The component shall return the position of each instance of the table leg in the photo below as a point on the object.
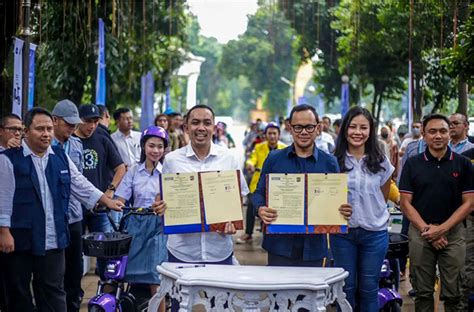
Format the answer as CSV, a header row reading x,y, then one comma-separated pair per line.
x,y
186,303
341,297
165,287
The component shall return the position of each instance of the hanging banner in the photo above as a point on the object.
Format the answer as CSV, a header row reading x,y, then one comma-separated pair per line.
x,y
17,76
100,82
410,96
344,98
148,100
31,77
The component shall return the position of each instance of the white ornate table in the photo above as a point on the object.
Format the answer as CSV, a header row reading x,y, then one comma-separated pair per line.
x,y
231,288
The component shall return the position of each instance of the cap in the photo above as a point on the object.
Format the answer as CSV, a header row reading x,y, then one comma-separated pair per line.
x,y
88,111
272,125
221,125
169,111
67,110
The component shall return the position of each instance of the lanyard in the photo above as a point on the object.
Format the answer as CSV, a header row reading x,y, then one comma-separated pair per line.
x,y
65,146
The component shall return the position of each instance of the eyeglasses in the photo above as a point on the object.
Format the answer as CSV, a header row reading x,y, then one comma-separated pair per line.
x,y
456,123
14,129
299,128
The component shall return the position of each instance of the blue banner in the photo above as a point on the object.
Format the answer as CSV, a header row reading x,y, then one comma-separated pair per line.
x,y
148,100
344,98
100,82
31,77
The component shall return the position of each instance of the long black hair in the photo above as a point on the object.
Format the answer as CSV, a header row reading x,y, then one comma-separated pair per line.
x,y
374,154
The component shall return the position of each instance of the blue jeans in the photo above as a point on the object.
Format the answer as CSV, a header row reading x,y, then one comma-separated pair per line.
x,y
97,223
361,253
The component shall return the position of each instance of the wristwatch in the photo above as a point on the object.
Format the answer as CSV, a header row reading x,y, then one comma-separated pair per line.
x,y
111,187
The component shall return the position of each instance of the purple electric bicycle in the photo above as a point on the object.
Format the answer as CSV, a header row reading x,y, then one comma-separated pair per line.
x,y
114,293
389,298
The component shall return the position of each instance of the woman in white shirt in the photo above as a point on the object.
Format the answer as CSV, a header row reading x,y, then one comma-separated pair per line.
x,y
361,252
142,184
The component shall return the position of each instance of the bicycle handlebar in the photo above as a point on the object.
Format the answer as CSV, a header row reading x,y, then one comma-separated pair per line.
x,y
126,209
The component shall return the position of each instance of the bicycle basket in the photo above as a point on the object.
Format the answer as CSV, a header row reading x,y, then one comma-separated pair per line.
x,y
106,245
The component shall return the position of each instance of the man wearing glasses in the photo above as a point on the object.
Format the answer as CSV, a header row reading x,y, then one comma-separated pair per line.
x,y
458,132
300,157
65,120
11,130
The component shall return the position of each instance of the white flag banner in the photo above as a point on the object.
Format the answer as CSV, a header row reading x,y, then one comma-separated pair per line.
x,y
17,77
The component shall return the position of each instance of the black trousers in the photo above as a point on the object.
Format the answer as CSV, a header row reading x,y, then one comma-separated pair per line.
x,y
3,289
277,260
48,276
74,269
250,216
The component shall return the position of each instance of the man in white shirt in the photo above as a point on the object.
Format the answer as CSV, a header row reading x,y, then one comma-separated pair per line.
x,y
414,136
202,155
325,142
459,142
11,130
126,139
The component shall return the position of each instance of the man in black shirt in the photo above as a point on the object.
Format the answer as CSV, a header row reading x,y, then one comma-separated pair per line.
x,y
100,155
436,196
103,166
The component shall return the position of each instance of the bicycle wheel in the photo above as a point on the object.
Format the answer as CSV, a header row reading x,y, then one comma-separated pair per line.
x,y
95,308
128,303
393,306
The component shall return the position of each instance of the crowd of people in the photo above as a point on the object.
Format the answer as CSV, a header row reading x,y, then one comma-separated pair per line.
x,y
57,166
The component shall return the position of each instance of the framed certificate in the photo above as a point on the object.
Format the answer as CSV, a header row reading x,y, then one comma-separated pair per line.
x,y
307,203
201,201
181,193
326,193
221,197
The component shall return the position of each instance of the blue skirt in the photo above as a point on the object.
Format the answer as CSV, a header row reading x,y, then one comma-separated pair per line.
x,y
148,248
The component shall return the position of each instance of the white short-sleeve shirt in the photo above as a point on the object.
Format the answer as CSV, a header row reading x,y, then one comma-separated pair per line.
x,y
369,208
202,247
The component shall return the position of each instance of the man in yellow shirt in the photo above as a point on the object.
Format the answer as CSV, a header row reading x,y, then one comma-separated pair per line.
x,y
254,165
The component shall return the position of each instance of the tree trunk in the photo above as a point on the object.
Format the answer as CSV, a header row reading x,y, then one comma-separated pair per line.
x,y
464,13
438,102
462,96
374,101
379,107
418,96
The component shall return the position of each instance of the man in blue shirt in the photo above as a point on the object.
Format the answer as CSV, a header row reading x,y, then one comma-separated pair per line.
x,y
300,157
65,120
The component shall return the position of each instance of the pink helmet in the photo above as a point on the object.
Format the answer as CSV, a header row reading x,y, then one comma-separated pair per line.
x,y
154,131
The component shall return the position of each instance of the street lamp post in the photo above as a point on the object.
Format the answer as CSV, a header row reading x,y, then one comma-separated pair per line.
x,y
291,86
25,33
344,95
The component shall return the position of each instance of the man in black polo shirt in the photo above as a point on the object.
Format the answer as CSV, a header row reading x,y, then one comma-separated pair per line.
x,y
436,196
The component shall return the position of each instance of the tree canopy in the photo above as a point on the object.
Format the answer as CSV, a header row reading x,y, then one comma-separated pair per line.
x,y
140,36
372,43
